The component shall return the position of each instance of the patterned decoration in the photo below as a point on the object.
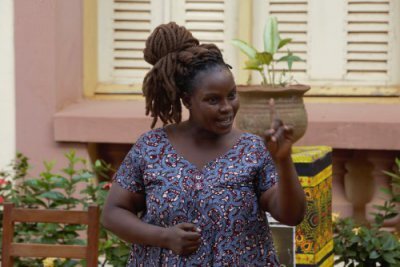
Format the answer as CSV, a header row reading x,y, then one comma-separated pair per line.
x,y
314,237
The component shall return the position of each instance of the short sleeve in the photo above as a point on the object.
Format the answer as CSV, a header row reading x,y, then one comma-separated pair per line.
x,y
268,175
130,173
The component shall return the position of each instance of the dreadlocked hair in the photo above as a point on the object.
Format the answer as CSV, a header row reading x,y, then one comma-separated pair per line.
x,y
177,57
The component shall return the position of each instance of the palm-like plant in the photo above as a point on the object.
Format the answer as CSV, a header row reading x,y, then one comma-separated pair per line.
x,y
265,62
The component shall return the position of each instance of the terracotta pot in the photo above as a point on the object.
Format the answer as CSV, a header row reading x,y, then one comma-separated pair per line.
x,y
254,114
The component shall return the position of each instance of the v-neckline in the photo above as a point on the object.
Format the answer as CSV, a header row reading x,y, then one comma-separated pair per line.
x,y
198,168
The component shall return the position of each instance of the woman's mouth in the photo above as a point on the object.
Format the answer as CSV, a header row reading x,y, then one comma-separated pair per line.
x,y
225,122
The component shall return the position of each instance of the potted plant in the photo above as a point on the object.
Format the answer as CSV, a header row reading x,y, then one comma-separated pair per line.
x,y
278,85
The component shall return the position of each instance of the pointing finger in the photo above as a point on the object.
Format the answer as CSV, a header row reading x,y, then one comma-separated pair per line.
x,y
278,135
272,111
268,134
289,129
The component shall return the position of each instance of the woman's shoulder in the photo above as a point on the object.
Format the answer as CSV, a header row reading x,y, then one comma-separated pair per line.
x,y
252,142
151,137
250,137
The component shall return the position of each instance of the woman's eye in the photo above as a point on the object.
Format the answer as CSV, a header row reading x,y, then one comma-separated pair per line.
x,y
212,101
232,96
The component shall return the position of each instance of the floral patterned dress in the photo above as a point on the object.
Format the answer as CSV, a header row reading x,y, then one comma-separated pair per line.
x,y
221,199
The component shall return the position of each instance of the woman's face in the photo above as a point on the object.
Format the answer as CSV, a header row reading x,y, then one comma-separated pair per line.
x,y
214,103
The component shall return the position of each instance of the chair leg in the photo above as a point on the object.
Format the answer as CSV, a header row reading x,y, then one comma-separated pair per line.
x,y
93,236
8,233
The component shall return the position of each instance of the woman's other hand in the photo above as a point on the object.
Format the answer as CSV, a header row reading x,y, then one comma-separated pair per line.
x,y
279,137
183,238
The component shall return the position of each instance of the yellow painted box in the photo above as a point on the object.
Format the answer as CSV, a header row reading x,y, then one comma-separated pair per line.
x,y
314,237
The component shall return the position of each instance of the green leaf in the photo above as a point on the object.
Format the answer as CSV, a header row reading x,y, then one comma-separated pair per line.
x,y
98,164
70,171
59,182
53,195
82,177
383,208
34,183
271,35
121,251
47,227
264,58
393,175
244,47
390,242
284,42
290,58
387,191
253,64
373,254
49,165
389,258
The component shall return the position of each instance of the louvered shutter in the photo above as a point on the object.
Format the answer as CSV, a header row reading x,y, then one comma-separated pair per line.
x,y
205,19
292,18
368,36
124,26
129,22
131,26
210,21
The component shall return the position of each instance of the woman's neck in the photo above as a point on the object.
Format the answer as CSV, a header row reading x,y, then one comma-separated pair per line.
x,y
199,135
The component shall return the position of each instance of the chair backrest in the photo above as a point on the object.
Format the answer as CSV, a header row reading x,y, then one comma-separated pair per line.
x,y
11,249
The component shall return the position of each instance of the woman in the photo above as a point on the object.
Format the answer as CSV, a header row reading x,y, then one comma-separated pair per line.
x,y
201,185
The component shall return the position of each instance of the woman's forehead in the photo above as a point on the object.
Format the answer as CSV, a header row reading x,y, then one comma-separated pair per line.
x,y
214,77
215,84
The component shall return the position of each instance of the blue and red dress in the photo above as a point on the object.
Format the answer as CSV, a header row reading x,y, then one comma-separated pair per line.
x,y
221,199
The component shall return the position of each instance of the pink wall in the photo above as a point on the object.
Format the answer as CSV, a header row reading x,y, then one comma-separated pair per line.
x,y
48,69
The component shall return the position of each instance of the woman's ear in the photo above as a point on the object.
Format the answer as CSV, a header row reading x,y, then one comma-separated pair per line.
x,y
186,100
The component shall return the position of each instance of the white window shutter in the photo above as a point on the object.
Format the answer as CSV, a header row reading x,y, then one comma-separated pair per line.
x,y
292,18
368,40
124,26
210,21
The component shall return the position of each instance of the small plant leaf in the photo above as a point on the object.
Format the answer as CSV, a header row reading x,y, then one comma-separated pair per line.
x,y
389,258
253,64
271,35
284,42
53,195
389,243
264,58
245,48
393,175
290,58
373,255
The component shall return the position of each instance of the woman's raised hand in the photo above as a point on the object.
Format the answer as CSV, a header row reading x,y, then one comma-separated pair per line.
x,y
183,238
279,137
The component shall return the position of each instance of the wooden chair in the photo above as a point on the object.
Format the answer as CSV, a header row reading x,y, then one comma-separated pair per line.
x,y
12,249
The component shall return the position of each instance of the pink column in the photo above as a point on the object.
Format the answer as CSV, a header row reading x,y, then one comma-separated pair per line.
x,y
358,183
381,160
341,204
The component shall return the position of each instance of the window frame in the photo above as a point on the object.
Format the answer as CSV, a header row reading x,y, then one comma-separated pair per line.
x,y
333,81
247,22
93,86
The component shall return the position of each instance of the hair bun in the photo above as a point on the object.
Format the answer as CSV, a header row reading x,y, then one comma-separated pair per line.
x,y
165,39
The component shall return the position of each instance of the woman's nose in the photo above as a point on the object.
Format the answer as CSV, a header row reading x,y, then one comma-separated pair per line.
x,y
225,106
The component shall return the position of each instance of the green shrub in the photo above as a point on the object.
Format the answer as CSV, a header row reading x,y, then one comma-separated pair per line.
x,y
73,187
370,245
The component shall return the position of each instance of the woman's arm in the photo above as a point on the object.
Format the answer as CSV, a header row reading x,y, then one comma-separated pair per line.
x,y
285,200
120,217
